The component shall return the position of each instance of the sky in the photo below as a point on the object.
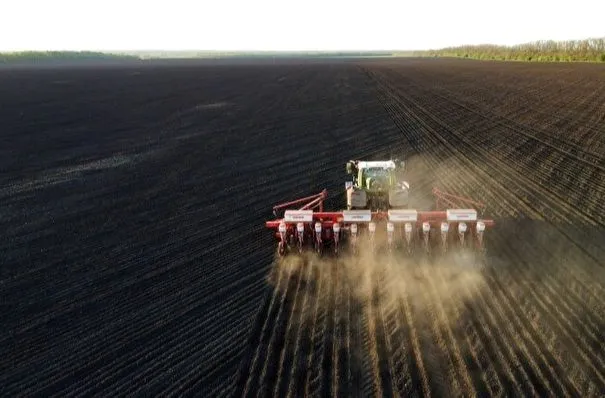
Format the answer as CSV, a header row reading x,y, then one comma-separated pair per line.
x,y
281,25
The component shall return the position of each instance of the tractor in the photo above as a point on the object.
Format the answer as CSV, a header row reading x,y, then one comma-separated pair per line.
x,y
377,203
377,185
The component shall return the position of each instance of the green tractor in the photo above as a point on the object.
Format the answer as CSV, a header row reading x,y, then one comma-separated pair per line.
x,y
377,185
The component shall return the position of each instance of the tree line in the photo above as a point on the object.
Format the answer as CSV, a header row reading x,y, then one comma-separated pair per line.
x,y
588,50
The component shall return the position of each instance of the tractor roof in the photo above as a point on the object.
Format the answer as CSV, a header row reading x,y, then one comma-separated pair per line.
x,y
383,164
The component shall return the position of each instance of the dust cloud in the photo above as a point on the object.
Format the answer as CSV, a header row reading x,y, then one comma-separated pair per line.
x,y
381,278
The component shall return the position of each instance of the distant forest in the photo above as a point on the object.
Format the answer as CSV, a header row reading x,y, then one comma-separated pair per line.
x,y
589,50
52,56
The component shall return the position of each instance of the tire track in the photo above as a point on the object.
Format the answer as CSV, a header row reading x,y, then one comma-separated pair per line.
x,y
274,308
297,362
313,381
275,341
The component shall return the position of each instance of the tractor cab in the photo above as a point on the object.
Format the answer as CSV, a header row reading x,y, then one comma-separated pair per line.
x,y
375,178
375,175
376,185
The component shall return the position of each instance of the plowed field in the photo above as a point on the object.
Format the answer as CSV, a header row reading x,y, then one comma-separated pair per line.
x,y
134,258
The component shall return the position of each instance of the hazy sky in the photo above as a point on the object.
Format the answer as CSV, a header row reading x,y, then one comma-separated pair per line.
x,y
288,25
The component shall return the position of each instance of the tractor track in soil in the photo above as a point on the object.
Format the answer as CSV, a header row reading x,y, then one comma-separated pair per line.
x,y
135,260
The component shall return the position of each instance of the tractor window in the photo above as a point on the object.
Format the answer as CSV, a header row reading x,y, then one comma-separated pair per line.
x,y
376,172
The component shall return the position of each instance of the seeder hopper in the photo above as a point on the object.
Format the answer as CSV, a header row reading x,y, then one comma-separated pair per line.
x,y
305,225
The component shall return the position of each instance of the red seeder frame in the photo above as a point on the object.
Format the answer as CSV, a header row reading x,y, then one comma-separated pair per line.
x,y
443,201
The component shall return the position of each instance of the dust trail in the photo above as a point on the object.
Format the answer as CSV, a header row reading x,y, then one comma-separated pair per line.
x,y
412,274
378,283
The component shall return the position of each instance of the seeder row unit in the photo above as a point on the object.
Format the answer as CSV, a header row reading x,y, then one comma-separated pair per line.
x,y
309,226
